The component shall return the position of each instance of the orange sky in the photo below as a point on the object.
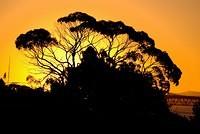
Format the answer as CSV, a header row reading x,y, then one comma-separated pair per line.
x,y
173,24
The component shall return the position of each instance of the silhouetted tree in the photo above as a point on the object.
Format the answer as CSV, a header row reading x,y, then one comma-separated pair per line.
x,y
101,71
114,42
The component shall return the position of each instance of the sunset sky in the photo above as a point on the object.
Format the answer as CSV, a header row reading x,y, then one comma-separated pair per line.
x,y
173,24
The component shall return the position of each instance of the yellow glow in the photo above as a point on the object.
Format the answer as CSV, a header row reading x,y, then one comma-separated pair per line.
x,y
173,24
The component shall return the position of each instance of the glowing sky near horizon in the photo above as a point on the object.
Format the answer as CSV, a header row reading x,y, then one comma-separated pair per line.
x,y
173,24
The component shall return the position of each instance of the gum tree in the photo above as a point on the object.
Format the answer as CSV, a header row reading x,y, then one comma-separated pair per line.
x,y
115,43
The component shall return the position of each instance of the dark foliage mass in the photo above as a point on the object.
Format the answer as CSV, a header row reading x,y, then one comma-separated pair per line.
x,y
118,84
37,38
96,92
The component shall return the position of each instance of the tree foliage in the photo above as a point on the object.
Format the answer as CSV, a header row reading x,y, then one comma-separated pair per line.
x,y
34,39
115,43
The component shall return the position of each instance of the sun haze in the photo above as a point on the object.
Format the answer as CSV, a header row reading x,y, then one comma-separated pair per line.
x,y
173,24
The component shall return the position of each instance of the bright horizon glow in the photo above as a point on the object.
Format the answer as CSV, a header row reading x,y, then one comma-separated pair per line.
x,y
173,24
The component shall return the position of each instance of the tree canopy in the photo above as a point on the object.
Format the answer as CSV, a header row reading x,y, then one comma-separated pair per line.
x,y
117,44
